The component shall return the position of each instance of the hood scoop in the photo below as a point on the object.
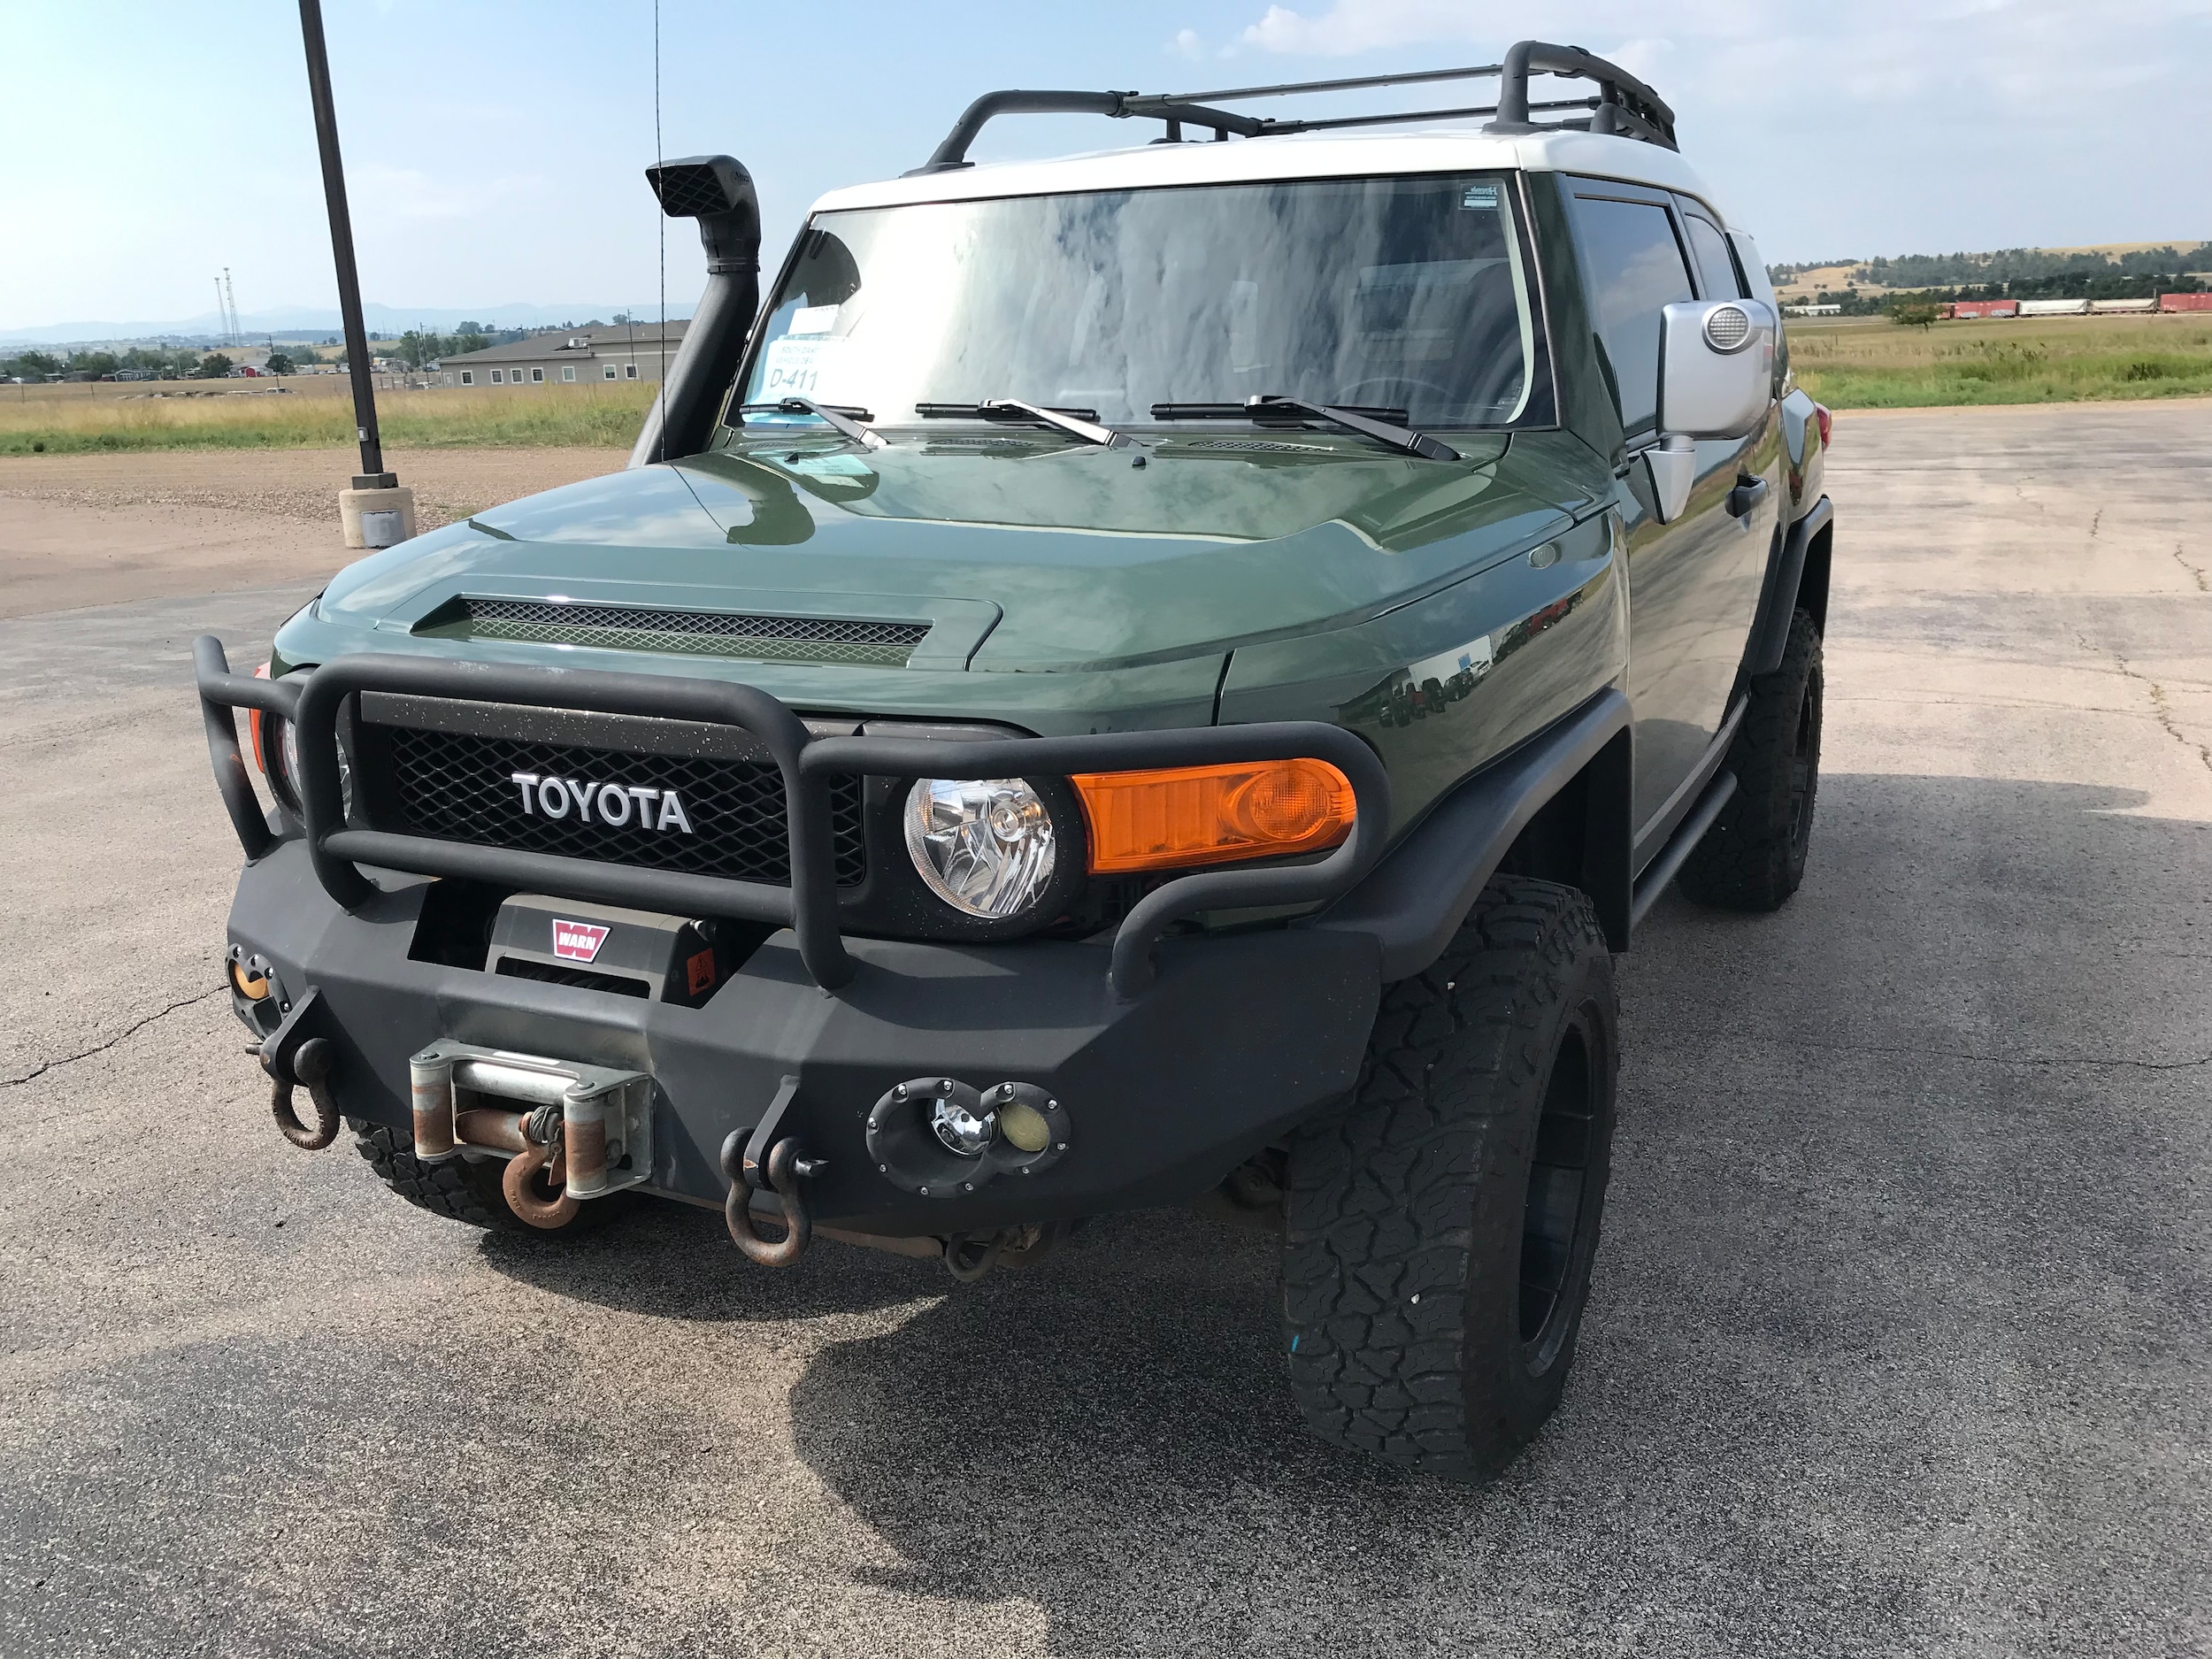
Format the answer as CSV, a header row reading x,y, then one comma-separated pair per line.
x,y
685,633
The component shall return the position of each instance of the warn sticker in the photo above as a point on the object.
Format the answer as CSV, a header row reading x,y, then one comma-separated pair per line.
x,y
578,941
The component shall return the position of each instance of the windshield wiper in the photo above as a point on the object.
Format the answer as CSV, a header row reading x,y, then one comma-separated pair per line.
x,y
1369,423
845,422
1077,422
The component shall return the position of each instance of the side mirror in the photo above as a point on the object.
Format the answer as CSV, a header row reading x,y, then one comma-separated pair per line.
x,y
1716,380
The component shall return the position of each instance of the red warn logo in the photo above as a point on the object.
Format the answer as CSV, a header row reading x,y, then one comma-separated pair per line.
x,y
578,941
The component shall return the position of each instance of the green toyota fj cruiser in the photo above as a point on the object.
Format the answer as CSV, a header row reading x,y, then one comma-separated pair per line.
x,y
1159,676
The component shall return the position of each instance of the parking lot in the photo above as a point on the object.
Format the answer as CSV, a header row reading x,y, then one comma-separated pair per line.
x,y
1898,1343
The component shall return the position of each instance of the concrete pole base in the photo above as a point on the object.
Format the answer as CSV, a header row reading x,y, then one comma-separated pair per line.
x,y
377,518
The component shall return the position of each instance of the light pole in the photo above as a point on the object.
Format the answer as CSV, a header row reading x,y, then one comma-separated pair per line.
x,y
376,511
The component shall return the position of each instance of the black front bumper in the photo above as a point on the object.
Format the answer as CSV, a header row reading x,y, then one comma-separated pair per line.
x,y
1237,1037
1171,1057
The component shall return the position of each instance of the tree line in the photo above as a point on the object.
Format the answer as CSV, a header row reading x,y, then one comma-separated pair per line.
x,y
184,363
2009,268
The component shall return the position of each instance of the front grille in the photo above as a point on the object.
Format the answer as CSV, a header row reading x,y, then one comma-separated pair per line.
x,y
460,786
687,633
583,978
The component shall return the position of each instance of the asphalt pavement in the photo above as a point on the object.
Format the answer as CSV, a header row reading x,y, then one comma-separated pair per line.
x,y
1898,1343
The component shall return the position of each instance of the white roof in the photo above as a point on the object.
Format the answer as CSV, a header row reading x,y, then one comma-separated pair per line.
x,y
1239,160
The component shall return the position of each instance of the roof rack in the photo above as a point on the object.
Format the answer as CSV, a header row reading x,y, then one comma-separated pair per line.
x,y
1622,105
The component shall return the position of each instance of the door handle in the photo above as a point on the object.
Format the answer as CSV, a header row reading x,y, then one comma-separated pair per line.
x,y
1748,493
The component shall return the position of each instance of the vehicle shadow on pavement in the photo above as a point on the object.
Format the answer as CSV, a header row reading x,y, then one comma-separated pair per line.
x,y
1870,1300
676,1261
1867,1146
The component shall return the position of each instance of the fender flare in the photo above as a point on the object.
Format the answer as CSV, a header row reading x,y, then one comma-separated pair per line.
x,y
1416,899
1777,604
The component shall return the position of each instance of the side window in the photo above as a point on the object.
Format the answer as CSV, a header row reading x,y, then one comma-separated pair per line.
x,y
1748,262
1715,264
1632,267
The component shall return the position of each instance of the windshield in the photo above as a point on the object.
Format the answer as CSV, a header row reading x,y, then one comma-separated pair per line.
x,y
1409,294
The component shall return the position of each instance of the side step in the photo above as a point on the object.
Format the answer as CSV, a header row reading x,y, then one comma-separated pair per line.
x,y
1667,861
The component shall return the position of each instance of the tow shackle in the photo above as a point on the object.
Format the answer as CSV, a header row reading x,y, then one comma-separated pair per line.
x,y
762,1159
781,1177
544,1147
311,1064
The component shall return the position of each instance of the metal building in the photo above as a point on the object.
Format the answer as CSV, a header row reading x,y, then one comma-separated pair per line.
x,y
592,355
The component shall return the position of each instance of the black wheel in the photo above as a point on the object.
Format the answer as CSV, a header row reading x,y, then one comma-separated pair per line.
x,y
1754,856
1439,1228
460,1189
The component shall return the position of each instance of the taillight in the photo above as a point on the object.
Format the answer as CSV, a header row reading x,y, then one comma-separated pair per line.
x,y
1826,420
253,724
1180,816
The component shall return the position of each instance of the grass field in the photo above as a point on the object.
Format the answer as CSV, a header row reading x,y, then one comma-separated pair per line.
x,y
1853,363
1871,363
70,422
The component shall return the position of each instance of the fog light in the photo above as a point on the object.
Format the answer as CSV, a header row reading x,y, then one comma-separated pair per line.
x,y
1024,1127
959,1129
982,845
251,985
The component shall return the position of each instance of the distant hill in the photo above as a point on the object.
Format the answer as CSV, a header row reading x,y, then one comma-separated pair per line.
x,y
2006,265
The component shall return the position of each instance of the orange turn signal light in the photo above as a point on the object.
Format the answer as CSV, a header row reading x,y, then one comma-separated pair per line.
x,y
253,726
253,986
1178,816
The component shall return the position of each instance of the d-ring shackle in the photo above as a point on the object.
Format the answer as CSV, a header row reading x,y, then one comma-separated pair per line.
x,y
783,1180
544,1147
311,1066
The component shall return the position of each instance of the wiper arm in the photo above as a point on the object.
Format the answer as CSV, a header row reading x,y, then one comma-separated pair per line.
x,y
1076,423
845,422
1364,422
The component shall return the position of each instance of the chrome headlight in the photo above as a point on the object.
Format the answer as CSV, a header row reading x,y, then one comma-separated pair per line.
x,y
985,846
287,759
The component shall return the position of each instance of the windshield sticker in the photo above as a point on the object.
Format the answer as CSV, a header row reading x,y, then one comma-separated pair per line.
x,y
793,368
1483,195
832,466
814,320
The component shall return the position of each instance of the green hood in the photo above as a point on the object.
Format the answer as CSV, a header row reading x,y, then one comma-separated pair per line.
x,y
1053,556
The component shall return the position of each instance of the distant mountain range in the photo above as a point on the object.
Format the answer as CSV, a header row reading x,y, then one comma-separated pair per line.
x,y
298,320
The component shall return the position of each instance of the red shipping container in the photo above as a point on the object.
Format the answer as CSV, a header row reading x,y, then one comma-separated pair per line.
x,y
1986,308
2185,301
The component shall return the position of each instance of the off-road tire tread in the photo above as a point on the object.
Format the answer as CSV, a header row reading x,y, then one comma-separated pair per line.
x,y
457,1190
1383,1194
1744,861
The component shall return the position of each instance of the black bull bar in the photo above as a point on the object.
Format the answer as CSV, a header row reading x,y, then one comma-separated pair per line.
x,y
311,705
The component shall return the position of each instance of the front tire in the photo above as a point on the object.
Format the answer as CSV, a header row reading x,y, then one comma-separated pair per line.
x,y
1440,1229
1754,856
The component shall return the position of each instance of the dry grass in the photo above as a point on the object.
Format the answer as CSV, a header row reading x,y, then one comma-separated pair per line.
x,y
1871,363
113,421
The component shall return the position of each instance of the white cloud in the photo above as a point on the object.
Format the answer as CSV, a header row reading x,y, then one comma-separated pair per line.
x,y
1362,26
1880,125
1187,44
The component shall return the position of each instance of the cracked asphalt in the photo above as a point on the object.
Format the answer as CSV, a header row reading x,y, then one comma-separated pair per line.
x,y
1898,1343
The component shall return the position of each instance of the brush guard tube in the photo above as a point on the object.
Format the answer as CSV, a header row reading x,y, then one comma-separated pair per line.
x,y
808,905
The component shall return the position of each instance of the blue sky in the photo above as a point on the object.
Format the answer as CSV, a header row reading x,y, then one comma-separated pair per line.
x,y
494,149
